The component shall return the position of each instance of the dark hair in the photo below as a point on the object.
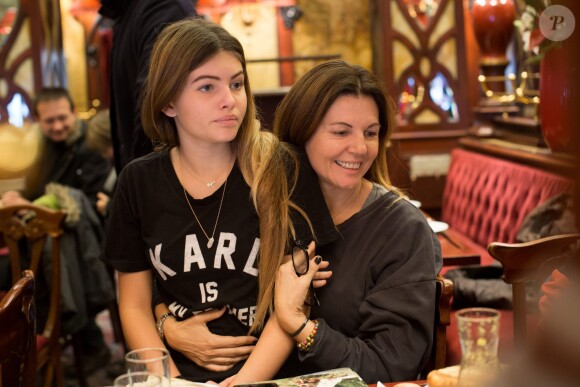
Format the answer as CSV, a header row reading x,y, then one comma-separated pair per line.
x,y
51,94
304,107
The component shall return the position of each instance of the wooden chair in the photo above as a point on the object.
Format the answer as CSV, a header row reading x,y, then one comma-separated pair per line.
x,y
444,292
35,225
524,262
17,341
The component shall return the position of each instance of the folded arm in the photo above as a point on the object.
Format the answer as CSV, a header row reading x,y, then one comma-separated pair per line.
x,y
192,338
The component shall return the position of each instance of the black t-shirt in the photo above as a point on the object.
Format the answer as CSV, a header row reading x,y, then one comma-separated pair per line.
x,y
152,228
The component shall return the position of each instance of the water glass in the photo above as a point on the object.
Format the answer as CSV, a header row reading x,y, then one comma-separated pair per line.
x,y
152,360
479,337
138,379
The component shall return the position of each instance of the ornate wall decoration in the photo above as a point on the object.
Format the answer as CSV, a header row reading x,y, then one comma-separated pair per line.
x,y
30,57
333,27
423,61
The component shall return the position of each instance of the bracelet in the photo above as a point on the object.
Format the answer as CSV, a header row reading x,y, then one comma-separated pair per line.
x,y
300,329
307,343
159,324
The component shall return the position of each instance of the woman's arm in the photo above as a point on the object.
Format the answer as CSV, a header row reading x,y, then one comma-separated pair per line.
x,y
192,338
383,326
271,352
137,318
276,342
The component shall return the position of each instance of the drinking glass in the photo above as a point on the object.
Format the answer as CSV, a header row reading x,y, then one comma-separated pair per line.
x,y
479,337
152,360
138,379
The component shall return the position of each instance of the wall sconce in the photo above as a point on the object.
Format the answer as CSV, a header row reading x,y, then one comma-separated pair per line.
x,y
290,15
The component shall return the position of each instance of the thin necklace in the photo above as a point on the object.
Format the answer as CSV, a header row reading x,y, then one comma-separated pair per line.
x,y
208,184
209,239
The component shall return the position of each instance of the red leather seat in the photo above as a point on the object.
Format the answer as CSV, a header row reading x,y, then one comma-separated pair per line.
x,y
487,199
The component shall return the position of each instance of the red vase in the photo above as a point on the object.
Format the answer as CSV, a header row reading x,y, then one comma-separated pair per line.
x,y
558,97
493,24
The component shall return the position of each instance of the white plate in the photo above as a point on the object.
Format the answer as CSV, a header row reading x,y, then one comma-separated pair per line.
x,y
416,203
437,226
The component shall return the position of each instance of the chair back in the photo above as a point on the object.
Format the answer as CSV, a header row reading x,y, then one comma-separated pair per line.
x,y
18,338
444,292
525,262
32,226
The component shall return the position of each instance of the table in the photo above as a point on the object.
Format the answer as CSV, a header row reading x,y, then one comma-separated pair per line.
x,y
417,382
457,249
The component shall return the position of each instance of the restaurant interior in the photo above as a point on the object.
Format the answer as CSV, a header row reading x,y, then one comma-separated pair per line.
x,y
487,99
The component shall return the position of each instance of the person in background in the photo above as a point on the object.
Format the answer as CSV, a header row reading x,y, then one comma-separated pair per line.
x,y
64,157
66,160
136,25
207,212
376,313
99,139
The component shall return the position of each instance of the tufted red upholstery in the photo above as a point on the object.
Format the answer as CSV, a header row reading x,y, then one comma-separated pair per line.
x,y
487,199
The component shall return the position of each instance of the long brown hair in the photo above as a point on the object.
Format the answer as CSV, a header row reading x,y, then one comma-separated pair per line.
x,y
304,107
181,48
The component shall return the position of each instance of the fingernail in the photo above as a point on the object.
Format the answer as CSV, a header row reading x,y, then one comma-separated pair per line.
x,y
318,259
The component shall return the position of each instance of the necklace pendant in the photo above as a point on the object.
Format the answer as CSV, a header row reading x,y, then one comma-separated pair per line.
x,y
210,184
210,243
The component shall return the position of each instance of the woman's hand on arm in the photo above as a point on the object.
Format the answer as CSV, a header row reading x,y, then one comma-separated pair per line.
x,y
193,339
291,291
135,292
275,343
322,275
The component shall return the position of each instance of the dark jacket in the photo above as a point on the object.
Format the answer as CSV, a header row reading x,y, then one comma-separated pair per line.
x,y
137,24
68,163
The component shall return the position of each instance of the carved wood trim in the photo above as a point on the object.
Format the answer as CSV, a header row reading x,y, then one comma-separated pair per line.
x,y
38,16
385,34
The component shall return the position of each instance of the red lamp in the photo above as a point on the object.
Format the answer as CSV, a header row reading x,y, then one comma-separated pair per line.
x,y
493,26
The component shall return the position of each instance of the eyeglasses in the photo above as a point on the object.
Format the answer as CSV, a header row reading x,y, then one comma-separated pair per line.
x,y
301,263
300,257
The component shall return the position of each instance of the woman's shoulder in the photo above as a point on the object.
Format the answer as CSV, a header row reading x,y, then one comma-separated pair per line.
x,y
392,207
145,169
145,162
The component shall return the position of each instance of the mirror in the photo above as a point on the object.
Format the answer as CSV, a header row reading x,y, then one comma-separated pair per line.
x,y
8,11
